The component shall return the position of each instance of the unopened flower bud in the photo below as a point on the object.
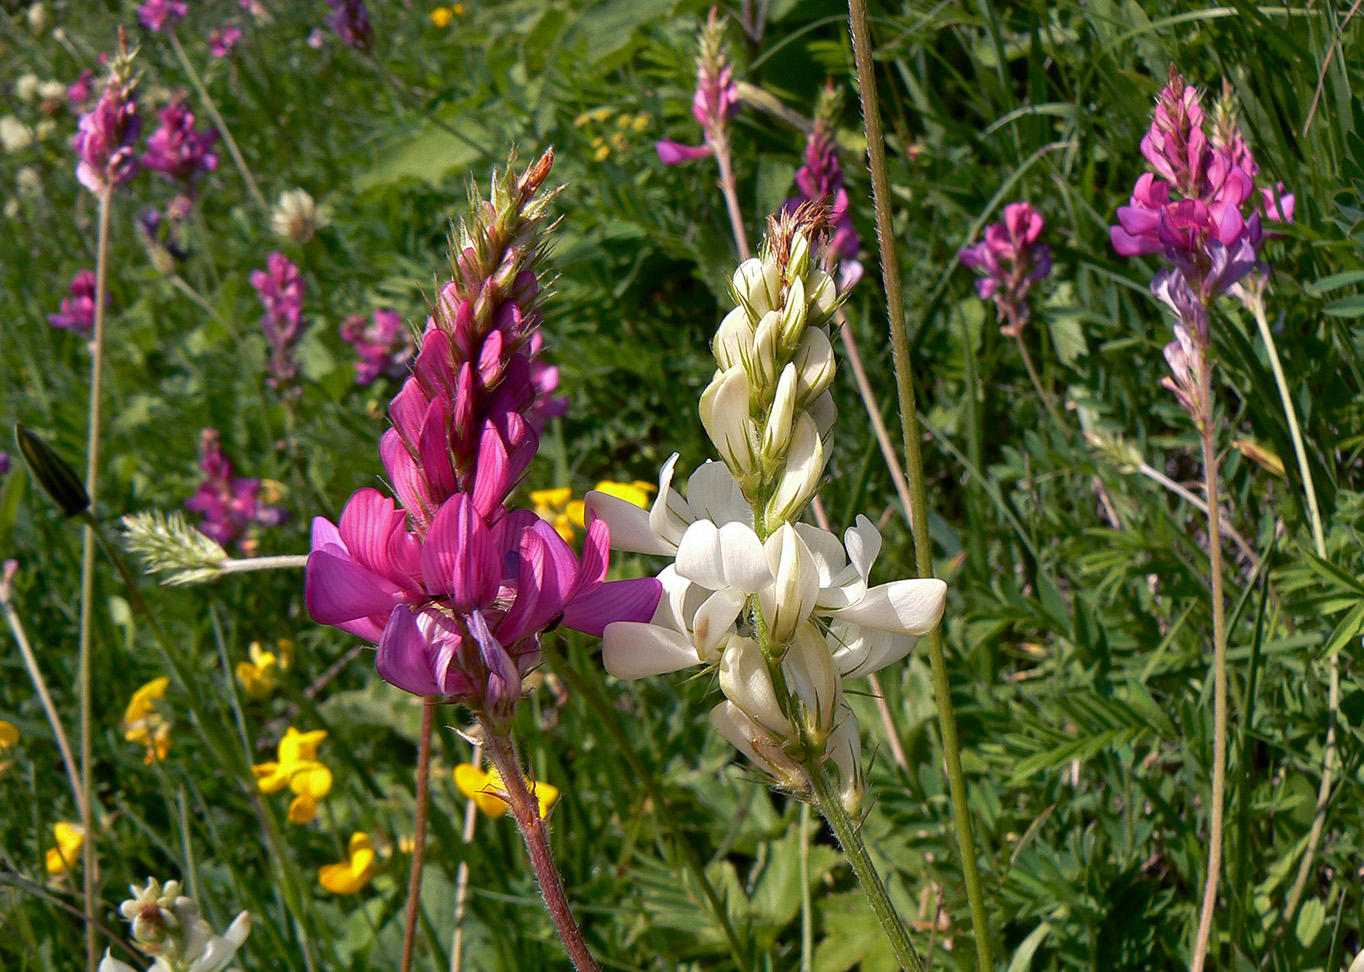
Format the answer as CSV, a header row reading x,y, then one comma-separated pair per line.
x,y
758,745
788,601
811,676
54,474
794,313
746,681
821,297
764,366
777,433
824,412
757,286
725,415
733,345
798,263
815,364
845,749
804,467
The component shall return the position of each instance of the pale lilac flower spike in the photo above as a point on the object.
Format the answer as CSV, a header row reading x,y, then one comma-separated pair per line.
x,y
230,504
280,287
715,101
176,150
1010,260
105,139
820,179
382,345
222,42
78,311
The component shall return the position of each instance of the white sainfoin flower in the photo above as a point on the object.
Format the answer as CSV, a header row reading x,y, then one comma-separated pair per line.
x,y
167,925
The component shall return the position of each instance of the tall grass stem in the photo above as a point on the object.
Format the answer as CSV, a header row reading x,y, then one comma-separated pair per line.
x,y
414,883
904,382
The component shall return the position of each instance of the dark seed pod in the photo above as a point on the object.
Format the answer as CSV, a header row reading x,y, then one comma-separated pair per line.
x,y
53,473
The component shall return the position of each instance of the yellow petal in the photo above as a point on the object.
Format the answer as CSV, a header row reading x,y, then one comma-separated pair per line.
x,y
341,879
303,809
546,794
70,838
575,513
298,746
158,748
361,851
553,498
271,777
563,525
481,787
310,779
143,703
9,734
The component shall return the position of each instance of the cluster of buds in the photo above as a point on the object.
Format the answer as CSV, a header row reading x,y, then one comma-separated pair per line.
x,y
382,345
1010,260
230,504
455,588
167,926
77,312
159,15
107,133
176,150
783,610
820,180
280,287
715,101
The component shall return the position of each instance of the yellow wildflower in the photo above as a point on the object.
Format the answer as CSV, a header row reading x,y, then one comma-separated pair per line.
x,y
636,492
259,676
298,768
619,142
597,115
9,735
485,788
554,505
63,857
350,876
458,9
442,16
640,122
600,150
144,725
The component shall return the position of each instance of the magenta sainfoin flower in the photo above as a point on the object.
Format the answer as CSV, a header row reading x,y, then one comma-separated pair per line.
x,y
104,140
230,504
280,287
714,102
176,150
350,20
157,15
545,378
79,91
820,179
1010,261
382,345
455,588
222,41
77,312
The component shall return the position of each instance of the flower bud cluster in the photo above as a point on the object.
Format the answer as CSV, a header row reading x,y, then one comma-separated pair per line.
x,y
783,611
768,409
167,926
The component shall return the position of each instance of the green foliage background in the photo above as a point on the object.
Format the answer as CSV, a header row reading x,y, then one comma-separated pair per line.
x,y
1078,639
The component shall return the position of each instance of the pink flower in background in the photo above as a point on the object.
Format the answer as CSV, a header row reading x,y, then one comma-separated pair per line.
x,y
280,287
350,20
4,463
176,150
230,504
79,91
78,311
222,41
1010,261
454,588
714,102
545,378
157,15
382,345
105,138
820,179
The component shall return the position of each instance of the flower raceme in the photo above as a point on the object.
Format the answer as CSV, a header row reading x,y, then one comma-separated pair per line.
x,y
1010,260
459,612
167,926
176,150
105,138
820,179
144,725
77,312
280,288
714,102
382,346
230,504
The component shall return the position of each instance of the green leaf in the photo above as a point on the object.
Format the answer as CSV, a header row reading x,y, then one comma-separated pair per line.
x,y
1311,918
1346,307
1349,628
1333,282
1022,960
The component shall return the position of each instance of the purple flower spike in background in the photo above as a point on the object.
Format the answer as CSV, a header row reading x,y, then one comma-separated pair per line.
x,y
79,92
78,311
382,345
1010,261
350,20
105,138
222,41
176,150
280,287
714,102
820,179
545,378
230,504
157,15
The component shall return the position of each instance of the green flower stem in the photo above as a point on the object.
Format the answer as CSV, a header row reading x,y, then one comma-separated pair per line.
x,y
244,564
218,122
904,381
588,689
526,809
807,909
88,541
730,189
1207,430
414,884
855,849
1257,308
1042,393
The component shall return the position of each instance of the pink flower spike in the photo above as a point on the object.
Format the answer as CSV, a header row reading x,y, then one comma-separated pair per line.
x,y
78,311
104,140
157,15
1010,261
675,153
222,41
176,150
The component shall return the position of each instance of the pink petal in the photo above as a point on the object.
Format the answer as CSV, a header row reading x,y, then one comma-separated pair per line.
x,y
336,589
623,600
366,522
402,658
675,153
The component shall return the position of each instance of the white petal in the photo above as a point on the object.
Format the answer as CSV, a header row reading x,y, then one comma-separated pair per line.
x,y
715,618
861,651
670,513
815,366
724,412
700,558
864,545
713,493
632,650
825,548
824,412
747,683
734,340
630,530
810,675
777,432
804,467
111,964
730,721
745,561
788,602
907,606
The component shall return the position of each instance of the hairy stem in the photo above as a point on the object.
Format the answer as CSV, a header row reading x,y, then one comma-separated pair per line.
x,y
414,883
855,849
1042,393
904,381
1295,895
526,810
1219,647
244,564
88,541
730,190
209,106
